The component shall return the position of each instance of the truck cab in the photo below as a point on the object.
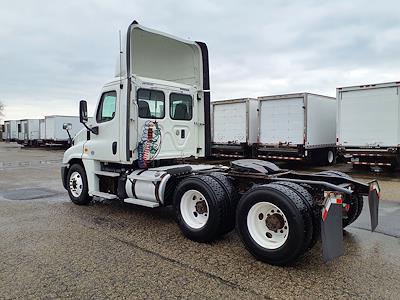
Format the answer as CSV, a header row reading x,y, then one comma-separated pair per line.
x,y
155,109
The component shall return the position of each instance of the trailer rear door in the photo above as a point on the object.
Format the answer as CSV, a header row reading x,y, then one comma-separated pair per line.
x,y
230,122
369,117
282,121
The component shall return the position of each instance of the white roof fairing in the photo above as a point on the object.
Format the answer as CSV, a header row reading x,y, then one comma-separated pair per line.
x,y
161,56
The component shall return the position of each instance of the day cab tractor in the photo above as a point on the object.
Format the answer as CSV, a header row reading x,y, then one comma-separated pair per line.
x,y
155,115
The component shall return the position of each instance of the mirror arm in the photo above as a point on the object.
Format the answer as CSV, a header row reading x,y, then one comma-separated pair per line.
x,y
94,130
69,136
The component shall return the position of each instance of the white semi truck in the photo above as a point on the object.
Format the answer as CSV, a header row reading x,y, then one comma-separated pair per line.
x,y
368,124
30,131
11,130
299,126
234,127
156,113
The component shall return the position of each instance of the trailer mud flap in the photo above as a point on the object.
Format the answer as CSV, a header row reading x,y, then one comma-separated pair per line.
x,y
331,228
373,203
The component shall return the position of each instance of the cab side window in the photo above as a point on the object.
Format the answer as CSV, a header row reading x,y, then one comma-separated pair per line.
x,y
151,104
181,107
107,106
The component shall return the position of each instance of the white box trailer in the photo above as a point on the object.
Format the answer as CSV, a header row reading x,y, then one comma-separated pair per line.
x,y
233,127
298,126
368,118
55,134
29,131
42,130
11,130
2,132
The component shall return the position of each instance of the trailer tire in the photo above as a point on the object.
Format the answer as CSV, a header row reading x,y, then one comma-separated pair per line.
x,y
77,185
331,156
284,236
202,207
313,210
228,185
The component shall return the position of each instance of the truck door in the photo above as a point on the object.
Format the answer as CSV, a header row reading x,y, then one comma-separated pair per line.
x,y
173,114
105,146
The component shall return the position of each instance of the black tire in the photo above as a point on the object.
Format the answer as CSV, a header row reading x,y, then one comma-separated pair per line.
x,y
354,211
313,210
228,185
83,198
218,208
357,202
330,157
298,221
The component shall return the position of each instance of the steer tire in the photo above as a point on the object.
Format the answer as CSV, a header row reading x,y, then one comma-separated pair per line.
x,y
313,210
275,200
78,172
227,184
196,224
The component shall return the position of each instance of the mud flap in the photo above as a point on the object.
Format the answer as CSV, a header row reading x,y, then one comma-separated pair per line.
x,y
331,228
373,203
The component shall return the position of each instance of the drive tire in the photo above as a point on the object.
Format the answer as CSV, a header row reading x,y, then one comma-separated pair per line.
x,y
280,249
77,185
194,223
314,212
227,184
358,203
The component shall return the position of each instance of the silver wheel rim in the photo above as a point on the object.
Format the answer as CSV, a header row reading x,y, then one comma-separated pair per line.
x,y
330,156
194,209
76,184
267,225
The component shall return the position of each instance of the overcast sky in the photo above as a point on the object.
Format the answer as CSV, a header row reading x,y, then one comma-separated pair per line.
x,y
54,53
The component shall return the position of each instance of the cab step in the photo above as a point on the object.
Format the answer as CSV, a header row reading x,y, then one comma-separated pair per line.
x,y
141,202
106,173
104,195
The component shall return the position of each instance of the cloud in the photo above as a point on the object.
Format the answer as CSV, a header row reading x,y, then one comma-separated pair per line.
x,y
55,53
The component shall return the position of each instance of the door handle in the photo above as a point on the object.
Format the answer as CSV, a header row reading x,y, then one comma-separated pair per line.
x,y
182,133
114,148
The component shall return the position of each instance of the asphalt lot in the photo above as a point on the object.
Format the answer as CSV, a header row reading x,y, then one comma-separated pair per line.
x,y
51,248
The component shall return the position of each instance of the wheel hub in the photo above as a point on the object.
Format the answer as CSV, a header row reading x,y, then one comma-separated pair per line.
x,y
201,207
194,209
76,184
274,222
267,225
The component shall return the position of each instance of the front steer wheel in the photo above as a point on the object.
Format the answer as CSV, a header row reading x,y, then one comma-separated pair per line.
x,y
77,185
274,224
203,208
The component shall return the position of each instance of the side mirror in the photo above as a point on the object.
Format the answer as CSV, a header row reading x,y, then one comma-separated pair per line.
x,y
83,117
67,126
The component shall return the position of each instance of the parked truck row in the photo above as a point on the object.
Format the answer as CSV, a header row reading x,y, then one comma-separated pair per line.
x,y
41,132
298,126
361,125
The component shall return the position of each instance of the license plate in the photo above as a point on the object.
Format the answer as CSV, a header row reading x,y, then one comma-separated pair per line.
x,y
355,159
